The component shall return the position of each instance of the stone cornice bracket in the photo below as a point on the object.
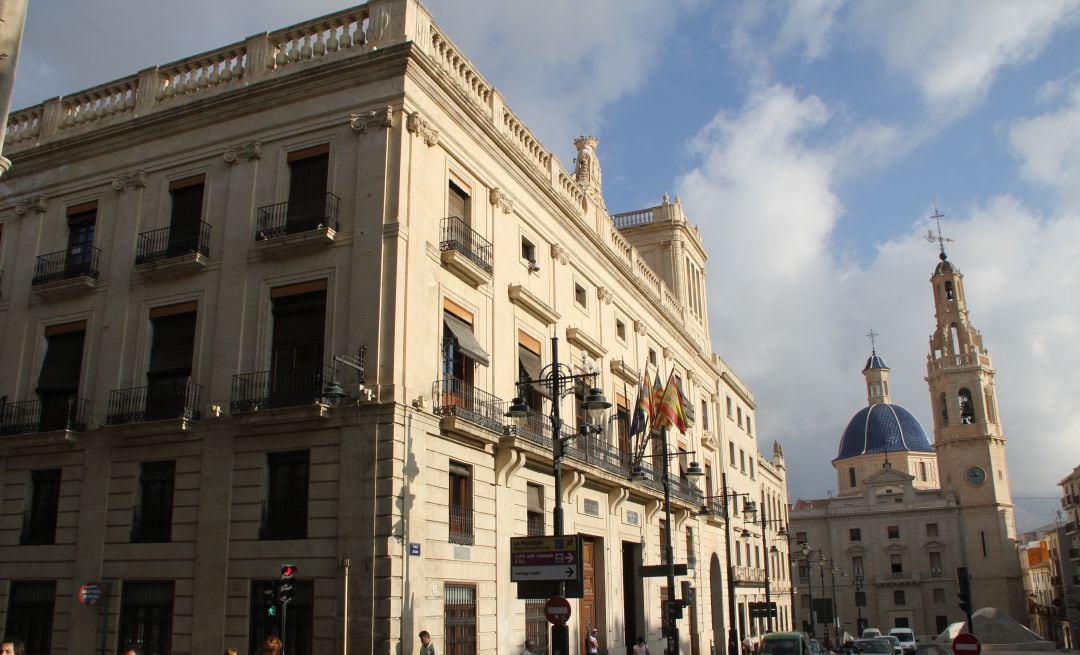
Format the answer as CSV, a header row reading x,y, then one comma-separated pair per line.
x,y
667,352
640,327
559,253
35,205
691,375
249,150
508,461
498,198
570,487
132,180
420,127
382,117
605,295
616,497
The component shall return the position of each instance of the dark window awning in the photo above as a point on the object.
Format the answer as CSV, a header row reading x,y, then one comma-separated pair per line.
x,y
531,368
466,340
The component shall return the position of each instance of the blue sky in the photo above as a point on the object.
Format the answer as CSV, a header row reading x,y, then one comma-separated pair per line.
x,y
809,140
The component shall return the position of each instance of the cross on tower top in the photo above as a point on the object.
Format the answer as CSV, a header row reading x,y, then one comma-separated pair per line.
x,y
931,237
872,336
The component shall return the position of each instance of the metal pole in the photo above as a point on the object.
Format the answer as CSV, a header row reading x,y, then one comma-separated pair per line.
x,y
733,636
858,605
835,605
284,615
810,592
765,548
821,573
560,634
669,553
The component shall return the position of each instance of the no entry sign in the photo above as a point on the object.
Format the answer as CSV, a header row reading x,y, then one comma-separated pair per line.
x,y
557,610
90,593
966,643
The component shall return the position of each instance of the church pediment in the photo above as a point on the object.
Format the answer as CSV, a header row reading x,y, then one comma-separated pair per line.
x,y
888,477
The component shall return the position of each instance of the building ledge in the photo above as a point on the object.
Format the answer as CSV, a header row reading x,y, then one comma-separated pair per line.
x,y
532,303
151,429
465,430
620,368
578,337
299,242
466,269
187,263
66,287
282,415
32,439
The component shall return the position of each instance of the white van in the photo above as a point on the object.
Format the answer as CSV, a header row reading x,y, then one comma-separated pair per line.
x,y
907,639
871,633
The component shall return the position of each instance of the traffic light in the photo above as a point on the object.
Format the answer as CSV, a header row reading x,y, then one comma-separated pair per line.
x,y
285,587
269,597
964,582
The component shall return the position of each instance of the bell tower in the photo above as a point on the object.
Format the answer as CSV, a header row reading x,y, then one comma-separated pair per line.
x,y
970,443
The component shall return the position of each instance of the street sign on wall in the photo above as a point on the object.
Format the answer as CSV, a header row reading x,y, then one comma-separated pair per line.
x,y
535,559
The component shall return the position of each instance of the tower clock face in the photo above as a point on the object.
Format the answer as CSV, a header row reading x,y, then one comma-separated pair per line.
x,y
976,475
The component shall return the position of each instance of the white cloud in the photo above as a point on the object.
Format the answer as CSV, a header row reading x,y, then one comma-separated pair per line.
x,y
791,316
1049,149
807,26
952,51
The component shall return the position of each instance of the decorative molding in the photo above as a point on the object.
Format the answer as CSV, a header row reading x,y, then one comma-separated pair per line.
x,y
532,303
578,337
382,117
605,295
134,179
668,352
559,253
571,486
620,368
249,150
640,327
34,205
420,127
615,498
498,198
691,375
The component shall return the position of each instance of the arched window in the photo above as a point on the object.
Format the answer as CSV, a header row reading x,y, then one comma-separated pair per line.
x,y
954,339
967,408
949,295
944,409
851,476
922,471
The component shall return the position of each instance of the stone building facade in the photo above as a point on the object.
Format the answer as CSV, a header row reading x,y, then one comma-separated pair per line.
x,y
267,305
884,552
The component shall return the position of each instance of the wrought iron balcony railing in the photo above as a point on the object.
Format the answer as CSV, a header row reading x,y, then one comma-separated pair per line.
x,y
593,450
459,237
454,397
295,216
65,413
66,264
150,527
173,241
288,387
461,525
155,402
284,519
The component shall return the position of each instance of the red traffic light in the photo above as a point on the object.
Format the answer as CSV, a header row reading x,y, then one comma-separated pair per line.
x,y
288,570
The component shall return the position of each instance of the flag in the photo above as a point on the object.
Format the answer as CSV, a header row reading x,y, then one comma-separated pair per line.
x,y
655,400
671,411
642,408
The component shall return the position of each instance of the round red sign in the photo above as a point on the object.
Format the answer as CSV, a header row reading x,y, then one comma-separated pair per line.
x,y
966,643
90,593
557,610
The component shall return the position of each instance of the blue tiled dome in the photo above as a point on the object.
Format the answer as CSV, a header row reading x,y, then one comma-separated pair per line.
x,y
882,428
874,361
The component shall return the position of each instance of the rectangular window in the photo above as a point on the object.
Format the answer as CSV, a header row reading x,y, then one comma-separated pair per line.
x,y
857,565
296,359
186,218
172,348
461,507
146,617
529,368
39,521
620,330
894,532
731,454
652,356
941,622
855,534
749,430
899,598
935,563
931,529
579,296
728,400
299,617
742,460
708,482
458,204
286,507
896,563
30,613
152,520
459,619
461,350
534,512
800,537
622,423
804,573
752,476
704,414
58,383
308,177
536,624
939,596
860,599
528,250
82,221
691,554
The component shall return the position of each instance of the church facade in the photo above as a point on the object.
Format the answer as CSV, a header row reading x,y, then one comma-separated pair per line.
x,y
885,551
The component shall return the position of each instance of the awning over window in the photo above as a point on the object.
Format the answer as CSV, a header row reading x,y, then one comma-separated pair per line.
x,y
530,366
466,340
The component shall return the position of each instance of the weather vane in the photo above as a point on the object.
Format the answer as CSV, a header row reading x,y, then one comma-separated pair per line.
x,y
872,336
931,237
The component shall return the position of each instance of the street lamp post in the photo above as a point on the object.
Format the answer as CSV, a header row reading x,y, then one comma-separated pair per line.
x,y
766,550
750,508
560,379
670,619
858,605
806,550
821,574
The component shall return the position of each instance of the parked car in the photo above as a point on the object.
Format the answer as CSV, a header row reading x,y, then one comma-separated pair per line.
x,y
895,641
907,639
871,633
875,646
786,643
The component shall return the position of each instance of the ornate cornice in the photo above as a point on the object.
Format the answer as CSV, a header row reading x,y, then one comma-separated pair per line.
x,y
382,117
498,198
34,205
134,180
420,127
249,150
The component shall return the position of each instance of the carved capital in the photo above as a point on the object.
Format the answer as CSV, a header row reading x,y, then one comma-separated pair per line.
x,y
498,198
604,295
249,150
35,205
640,328
420,127
133,180
382,117
559,253
667,352
691,376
